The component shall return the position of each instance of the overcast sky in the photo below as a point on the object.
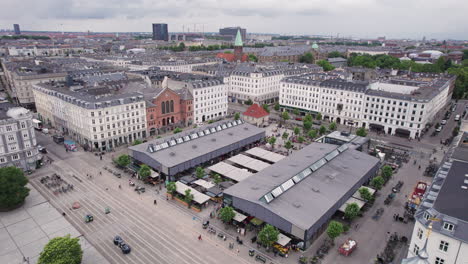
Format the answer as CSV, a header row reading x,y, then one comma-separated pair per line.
x,y
358,18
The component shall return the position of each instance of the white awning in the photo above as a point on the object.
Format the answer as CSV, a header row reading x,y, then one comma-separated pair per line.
x,y
248,162
35,121
265,154
283,240
229,171
198,197
239,217
154,174
351,200
203,183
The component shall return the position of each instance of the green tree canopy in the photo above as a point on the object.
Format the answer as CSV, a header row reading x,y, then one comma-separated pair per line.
x,y
365,194
322,130
318,116
249,102
12,187
272,141
301,139
351,211
325,65
216,179
296,112
335,54
144,172
136,142
177,130
288,145
334,229
307,125
377,182
386,172
226,214
236,116
61,250
308,118
277,107
307,58
265,106
123,160
188,196
285,135
285,116
312,134
171,187
268,235
361,132
332,126
253,58
297,131
199,172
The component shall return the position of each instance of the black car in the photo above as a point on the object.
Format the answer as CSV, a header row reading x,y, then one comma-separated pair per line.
x,y
206,224
118,240
125,248
42,149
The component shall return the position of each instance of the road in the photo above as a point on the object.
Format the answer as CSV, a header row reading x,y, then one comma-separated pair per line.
x,y
161,233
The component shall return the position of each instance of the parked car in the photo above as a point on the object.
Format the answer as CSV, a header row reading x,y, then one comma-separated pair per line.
x,y
443,122
457,118
125,248
58,139
118,240
118,175
439,129
42,149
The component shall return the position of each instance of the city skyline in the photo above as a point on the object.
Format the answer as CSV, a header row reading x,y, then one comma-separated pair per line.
x,y
395,19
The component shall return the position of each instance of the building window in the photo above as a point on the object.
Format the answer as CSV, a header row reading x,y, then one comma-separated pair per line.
x,y
2,160
172,106
426,215
92,114
163,109
420,233
448,226
11,138
8,128
439,260
443,246
23,125
29,154
415,249
15,157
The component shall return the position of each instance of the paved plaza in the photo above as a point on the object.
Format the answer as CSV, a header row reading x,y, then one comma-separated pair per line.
x,y
25,231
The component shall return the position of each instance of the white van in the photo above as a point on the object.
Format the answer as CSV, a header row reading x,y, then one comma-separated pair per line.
x,y
457,117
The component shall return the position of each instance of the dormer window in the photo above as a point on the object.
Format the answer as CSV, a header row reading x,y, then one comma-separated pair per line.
x,y
448,226
426,215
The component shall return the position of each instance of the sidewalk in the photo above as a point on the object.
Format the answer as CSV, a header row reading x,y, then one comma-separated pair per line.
x,y
25,231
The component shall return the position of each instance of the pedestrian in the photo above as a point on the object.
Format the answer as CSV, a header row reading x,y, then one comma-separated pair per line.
x,y
199,237
100,173
100,157
154,202
167,198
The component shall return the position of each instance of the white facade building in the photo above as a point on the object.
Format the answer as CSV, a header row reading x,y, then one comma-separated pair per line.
x,y
97,122
402,107
18,146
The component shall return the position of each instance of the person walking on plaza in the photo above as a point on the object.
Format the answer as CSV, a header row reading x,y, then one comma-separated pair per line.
x,y
154,202
199,237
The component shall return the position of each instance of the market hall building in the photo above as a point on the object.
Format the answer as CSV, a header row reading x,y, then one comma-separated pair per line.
x,y
176,154
300,193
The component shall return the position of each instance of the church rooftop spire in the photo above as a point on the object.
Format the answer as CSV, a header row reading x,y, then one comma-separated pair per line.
x,y
238,42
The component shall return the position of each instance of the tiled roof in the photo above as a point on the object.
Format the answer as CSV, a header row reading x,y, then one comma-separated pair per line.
x,y
255,111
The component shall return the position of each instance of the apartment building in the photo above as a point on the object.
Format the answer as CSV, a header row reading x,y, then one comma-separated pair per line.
x,y
401,106
18,146
97,117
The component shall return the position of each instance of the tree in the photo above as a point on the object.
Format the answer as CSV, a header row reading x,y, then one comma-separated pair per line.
x,y
312,134
144,172
377,182
332,126
297,131
171,187
307,58
136,142
199,172
334,229
226,214
123,160
288,145
249,102
188,196
177,130
285,135
308,118
236,116
322,130
12,187
285,116
182,46
61,250
265,106
296,112
301,139
307,125
277,107
365,194
318,116
272,141
325,65
361,132
216,179
268,235
351,211
335,54
386,172
253,58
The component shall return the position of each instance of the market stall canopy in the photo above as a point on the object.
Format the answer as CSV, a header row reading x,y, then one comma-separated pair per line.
x,y
239,217
198,197
248,162
351,200
283,240
154,175
229,171
204,184
265,154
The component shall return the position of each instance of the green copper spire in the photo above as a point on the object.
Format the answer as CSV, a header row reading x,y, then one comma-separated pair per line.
x,y
315,46
238,42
